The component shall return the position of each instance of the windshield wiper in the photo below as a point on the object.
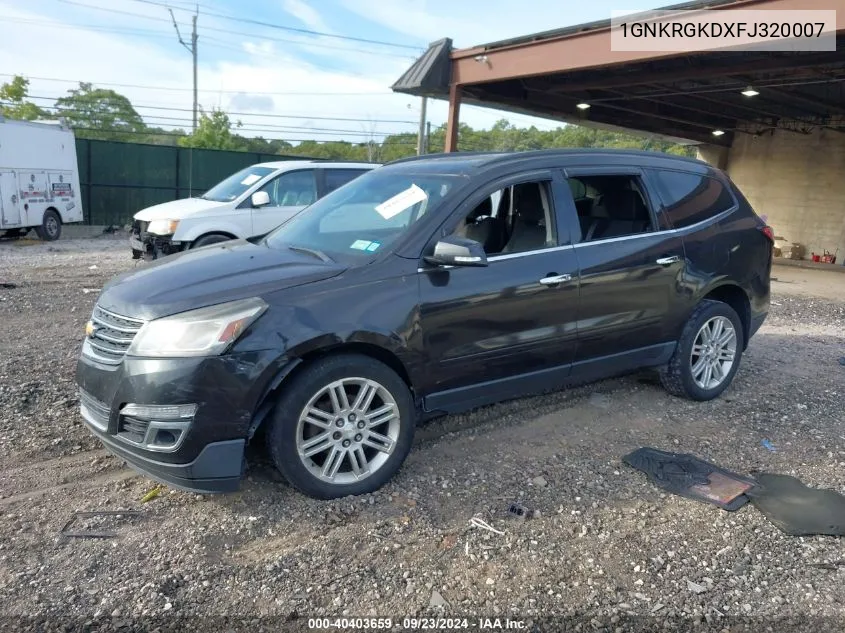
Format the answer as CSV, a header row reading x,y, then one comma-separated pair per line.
x,y
311,251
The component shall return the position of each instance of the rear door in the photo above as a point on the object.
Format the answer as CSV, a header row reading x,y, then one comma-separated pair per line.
x,y
9,201
632,271
289,193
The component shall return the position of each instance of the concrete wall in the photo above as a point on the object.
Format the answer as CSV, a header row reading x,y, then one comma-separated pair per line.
x,y
797,180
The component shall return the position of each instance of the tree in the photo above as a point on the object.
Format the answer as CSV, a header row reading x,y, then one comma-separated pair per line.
x,y
214,131
101,114
13,104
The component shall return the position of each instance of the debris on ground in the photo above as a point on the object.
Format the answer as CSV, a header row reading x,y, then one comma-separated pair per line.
x,y
117,514
842,361
89,290
481,523
798,509
152,494
519,511
437,600
769,446
540,482
8,284
689,476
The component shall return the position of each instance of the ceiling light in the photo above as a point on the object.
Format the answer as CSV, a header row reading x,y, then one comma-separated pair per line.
x,y
718,132
583,106
750,92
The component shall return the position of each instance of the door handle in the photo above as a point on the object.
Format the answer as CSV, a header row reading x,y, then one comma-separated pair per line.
x,y
553,280
666,261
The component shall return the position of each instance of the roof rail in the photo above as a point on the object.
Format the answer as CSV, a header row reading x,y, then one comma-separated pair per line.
x,y
410,159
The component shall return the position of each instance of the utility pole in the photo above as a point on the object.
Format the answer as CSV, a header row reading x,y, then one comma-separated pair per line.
x,y
192,49
427,145
421,133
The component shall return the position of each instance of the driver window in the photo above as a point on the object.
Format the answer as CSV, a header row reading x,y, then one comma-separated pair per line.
x,y
514,219
293,189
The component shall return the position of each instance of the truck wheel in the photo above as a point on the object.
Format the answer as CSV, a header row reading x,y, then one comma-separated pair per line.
x,y
214,238
708,354
343,426
51,226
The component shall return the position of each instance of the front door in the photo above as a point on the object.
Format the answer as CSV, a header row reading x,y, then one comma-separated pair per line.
x,y
632,269
289,194
9,199
509,328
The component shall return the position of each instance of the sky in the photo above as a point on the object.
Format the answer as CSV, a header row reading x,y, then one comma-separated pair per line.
x,y
257,62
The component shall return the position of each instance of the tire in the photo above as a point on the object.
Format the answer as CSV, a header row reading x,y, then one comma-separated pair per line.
x,y
289,434
686,373
214,238
51,226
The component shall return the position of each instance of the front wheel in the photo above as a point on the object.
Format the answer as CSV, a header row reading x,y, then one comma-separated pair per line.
x,y
342,427
51,226
708,354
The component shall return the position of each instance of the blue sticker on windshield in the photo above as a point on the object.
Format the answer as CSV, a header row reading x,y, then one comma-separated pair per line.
x,y
361,245
373,246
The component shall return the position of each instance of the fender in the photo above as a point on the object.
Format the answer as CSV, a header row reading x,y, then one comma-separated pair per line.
x,y
190,229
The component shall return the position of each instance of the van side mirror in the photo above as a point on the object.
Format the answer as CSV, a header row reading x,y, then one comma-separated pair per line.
x,y
457,251
260,199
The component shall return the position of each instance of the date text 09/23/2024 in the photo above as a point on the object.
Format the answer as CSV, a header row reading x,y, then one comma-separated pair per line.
x,y
416,623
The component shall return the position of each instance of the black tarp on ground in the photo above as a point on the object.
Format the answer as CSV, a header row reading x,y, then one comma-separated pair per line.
x,y
686,475
797,509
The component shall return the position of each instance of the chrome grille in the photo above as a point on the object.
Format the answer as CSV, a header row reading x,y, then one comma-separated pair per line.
x,y
95,412
112,335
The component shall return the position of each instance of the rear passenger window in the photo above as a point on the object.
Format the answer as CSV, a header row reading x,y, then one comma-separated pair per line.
x,y
335,178
610,206
691,198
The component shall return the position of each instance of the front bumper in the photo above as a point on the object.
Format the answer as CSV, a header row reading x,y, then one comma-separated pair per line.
x,y
226,390
149,246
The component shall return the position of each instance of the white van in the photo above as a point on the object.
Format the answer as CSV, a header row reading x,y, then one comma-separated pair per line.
x,y
249,203
39,179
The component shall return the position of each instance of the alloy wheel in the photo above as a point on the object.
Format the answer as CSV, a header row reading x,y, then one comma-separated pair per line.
x,y
713,352
348,430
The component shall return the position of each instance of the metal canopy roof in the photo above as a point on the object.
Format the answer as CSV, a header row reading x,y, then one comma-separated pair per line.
x,y
678,96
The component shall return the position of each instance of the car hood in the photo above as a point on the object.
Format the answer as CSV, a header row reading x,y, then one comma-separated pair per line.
x,y
178,209
206,276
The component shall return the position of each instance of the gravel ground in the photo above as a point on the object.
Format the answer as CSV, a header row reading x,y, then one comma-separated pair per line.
x,y
602,550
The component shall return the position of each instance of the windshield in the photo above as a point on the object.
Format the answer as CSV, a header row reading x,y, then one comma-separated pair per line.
x,y
363,217
236,184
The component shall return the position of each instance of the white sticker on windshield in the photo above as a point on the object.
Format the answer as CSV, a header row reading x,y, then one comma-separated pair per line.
x,y
401,201
360,245
250,180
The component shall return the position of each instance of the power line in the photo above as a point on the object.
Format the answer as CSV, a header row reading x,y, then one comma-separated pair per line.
x,y
209,90
290,28
228,31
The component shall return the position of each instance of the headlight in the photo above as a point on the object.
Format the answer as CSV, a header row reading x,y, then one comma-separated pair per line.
x,y
162,227
204,332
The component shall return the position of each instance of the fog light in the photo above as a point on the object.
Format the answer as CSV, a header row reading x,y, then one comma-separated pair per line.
x,y
155,427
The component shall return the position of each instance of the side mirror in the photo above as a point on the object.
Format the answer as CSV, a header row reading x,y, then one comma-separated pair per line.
x,y
457,251
260,199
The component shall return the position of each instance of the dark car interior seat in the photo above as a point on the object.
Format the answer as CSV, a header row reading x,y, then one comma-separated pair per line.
x,y
530,230
482,227
619,212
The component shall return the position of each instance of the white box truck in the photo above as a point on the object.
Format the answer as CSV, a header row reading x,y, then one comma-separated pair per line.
x,y
39,179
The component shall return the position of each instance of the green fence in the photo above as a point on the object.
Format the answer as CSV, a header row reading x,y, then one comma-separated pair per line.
x,y
120,179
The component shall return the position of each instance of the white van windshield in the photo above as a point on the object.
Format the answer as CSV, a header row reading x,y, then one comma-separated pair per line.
x,y
236,184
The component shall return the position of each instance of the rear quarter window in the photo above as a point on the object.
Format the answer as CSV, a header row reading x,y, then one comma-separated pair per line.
x,y
691,198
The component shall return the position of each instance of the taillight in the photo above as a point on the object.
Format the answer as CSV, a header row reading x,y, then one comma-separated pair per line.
x,y
768,232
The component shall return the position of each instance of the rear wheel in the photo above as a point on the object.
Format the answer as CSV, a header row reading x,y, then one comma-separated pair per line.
x,y
342,427
708,355
214,238
51,226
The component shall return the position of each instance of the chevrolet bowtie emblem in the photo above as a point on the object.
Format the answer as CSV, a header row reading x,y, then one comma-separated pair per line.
x,y
90,328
